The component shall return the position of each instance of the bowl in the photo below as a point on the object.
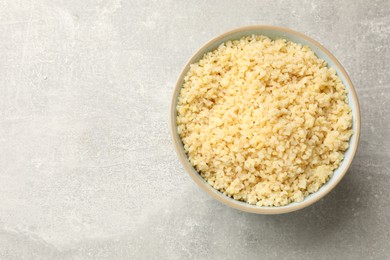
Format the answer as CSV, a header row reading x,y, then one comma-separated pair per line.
x,y
272,32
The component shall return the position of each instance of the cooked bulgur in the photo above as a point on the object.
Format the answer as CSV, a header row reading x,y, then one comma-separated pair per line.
x,y
264,121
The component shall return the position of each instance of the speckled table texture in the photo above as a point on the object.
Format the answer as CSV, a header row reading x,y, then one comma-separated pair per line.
x,y
87,165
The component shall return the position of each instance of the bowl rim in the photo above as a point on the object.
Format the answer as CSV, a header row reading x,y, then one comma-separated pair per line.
x,y
243,206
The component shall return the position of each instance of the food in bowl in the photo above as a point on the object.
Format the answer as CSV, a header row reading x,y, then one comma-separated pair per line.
x,y
264,121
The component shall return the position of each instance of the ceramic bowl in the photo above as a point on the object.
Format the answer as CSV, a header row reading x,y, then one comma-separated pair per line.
x,y
272,32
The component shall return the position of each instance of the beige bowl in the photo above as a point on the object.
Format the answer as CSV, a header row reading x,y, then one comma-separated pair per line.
x,y
272,32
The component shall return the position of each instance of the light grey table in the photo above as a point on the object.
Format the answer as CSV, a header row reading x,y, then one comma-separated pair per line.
x,y
87,166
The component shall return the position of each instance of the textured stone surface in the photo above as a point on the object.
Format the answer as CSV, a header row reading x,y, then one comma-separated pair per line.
x,y
87,167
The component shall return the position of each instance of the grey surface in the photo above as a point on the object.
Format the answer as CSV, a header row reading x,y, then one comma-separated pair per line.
x,y
87,166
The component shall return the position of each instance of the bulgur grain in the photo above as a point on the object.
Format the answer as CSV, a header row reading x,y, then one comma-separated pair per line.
x,y
264,121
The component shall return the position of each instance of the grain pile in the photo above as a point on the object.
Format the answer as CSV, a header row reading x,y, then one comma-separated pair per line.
x,y
263,121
